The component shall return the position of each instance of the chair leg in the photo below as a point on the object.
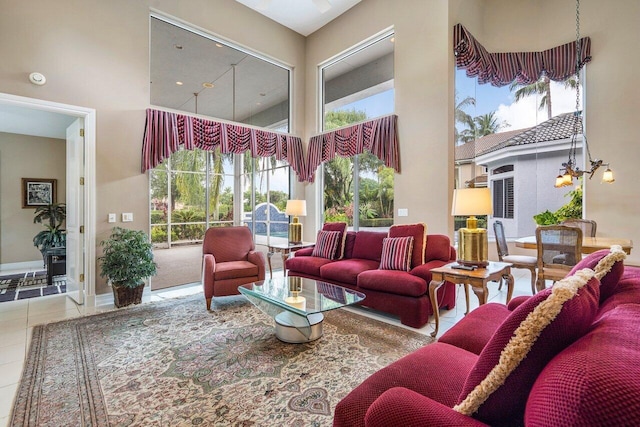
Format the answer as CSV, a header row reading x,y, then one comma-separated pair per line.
x,y
533,281
208,303
500,282
540,283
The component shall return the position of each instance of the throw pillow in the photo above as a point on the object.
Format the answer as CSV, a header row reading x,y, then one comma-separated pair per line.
x,y
396,253
498,385
419,233
608,265
327,244
342,228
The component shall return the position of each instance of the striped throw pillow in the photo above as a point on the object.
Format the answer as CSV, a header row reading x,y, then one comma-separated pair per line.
x,y
396,253
327,244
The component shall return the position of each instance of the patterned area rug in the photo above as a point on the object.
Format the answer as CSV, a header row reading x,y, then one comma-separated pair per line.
x,y
172,363
29,285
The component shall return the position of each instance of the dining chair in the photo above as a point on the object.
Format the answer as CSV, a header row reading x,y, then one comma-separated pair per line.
x,y
518,261
588,226
559,249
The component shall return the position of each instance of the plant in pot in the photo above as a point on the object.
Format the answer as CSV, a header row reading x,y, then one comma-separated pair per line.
x,y
52,216
127,260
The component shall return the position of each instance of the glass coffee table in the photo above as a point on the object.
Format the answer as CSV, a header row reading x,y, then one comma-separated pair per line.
x,y
296,304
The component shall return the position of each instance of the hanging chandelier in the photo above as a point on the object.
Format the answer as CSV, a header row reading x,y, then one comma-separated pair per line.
x,y
570,169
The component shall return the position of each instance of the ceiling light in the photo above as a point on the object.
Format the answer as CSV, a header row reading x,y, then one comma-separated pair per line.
x,y
207,85
179,83
218,45
392,39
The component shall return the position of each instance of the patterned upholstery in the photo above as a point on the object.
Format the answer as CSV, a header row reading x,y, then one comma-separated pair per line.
x,y
396,253
327,244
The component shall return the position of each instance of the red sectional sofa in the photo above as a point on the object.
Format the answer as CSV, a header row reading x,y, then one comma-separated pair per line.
x,y
401,293
583,369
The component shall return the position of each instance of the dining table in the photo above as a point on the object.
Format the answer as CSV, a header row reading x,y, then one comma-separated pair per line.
x,y
589,244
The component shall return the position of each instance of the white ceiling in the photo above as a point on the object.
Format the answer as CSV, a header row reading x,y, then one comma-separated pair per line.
x,y
29,121
302,16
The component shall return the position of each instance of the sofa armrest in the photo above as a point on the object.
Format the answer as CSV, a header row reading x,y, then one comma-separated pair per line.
x,y
515,302
399,406
208,271
304,252
257,258
424,270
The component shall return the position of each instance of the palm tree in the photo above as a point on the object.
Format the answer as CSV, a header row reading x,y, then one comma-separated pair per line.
x,y
465,119
541,87
487,124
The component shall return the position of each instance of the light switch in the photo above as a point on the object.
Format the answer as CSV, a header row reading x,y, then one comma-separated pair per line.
x,y
127,217
403,212
112,217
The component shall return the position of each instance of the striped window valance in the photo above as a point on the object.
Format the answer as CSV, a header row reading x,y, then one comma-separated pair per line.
x,y
165,132
500,69
378,136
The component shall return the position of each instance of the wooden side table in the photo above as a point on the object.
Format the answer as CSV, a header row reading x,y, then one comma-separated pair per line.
x,y
477,279
285,249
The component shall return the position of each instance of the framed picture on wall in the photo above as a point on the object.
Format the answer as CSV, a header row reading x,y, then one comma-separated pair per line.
x,y
38,192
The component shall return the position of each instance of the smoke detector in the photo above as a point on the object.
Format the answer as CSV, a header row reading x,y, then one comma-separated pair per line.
x,y
37,78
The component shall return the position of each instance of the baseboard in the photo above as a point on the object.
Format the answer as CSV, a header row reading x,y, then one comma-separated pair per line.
x,y
26,265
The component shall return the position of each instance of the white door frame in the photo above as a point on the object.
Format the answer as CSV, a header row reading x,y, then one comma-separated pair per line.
x,y
89,116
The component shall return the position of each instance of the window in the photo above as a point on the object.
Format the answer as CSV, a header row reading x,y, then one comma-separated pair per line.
x,y
503,198
196,72
358,86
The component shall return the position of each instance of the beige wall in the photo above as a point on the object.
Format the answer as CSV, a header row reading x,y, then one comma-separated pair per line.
x,y
95,54
24,156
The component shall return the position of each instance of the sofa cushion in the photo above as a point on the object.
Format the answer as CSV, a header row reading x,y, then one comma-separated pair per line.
x,y
234,270
342,228
533,334
419,234
393,282
594,381
308,265
614,268
368,245
327,244
438,248
346,270
396,253
349,243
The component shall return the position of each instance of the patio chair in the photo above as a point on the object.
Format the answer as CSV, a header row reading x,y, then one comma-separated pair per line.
x,y
229,259
559,249
518,261
588,226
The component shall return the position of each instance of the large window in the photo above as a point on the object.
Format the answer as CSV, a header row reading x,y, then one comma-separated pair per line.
x,y
358,86
196,72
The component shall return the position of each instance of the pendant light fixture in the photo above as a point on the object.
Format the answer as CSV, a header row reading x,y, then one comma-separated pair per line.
x,y
570,169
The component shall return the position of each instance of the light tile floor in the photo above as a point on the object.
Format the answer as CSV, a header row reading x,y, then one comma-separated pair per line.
x,y
18,318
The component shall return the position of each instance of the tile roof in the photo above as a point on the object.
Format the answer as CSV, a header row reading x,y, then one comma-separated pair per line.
x,y
556,128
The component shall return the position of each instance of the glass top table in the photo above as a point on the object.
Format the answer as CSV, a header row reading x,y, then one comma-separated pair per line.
x,y
296,304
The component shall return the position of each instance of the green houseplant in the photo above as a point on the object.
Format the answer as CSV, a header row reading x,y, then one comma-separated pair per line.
x,y
52,216
126,261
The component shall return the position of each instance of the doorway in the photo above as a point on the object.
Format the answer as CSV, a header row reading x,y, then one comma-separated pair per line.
x,y
23,113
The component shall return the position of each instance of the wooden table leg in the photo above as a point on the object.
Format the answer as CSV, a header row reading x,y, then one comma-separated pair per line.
x,y
510,283
434,285
285,255
269,255
466,297
481,292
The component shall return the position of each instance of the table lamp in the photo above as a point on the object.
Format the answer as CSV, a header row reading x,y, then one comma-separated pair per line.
x,y
473,247
296,208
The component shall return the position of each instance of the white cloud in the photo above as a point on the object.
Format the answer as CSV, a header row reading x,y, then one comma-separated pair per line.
x,y
525,113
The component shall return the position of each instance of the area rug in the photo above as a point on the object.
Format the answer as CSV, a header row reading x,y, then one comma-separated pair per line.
x,y
172,363
29,285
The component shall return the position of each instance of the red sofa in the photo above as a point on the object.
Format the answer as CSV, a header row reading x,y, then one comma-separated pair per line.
x,y
401,293
583,369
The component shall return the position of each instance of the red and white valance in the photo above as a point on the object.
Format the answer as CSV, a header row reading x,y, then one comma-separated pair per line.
x,y
500,69
165,132
378,136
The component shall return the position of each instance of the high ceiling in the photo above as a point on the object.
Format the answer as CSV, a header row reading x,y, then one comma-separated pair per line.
x,y
302,16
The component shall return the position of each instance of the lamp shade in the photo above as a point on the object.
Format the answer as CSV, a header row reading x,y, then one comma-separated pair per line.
x,y
471,201
296,208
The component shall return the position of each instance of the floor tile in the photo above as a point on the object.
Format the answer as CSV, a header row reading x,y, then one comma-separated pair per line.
x,y
54,316
10,373
12,353
7,394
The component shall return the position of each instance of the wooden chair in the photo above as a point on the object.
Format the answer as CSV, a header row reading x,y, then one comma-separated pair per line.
x,y
559,249
518,261
588,226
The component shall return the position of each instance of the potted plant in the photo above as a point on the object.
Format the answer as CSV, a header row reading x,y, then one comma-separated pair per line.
x,y
54,236
126,261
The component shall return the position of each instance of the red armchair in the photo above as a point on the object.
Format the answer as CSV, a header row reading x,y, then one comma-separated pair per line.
x,y
229,260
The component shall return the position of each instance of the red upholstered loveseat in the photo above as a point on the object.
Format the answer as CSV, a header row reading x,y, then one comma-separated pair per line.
x,y
582,370
401,293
